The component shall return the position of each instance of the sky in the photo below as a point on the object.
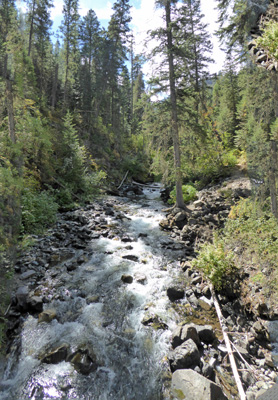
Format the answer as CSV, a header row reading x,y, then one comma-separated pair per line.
x,y
144,17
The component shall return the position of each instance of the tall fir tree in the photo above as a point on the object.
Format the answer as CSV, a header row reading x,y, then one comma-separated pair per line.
x,y
70,33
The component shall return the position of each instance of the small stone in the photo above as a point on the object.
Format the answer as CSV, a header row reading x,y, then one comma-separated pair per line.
x,y
131,257
92,299
27,274
47,316
140,278
204,303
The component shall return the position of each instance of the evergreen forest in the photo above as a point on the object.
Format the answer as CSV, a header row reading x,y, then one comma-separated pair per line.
x,y
77,112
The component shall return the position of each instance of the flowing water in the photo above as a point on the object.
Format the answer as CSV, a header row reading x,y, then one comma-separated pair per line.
x,y
130,357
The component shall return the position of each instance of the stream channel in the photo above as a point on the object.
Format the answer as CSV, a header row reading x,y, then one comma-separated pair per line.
x,y
128,357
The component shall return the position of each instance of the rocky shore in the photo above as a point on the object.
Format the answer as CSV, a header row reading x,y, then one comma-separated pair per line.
x,y
198,355
246,312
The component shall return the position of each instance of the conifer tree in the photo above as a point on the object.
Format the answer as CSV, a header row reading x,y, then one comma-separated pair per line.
x,y
90,42
169,48
69,30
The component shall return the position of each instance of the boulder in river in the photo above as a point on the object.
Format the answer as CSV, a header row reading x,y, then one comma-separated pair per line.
x,y
189,385
175,293
84,361
56,355
127,278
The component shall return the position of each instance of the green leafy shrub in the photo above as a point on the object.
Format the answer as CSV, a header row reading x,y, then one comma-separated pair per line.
x,y
188,191
38,211
216,264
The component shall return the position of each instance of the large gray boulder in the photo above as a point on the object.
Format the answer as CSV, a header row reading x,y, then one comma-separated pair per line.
x,y
185,356
183,333
189,385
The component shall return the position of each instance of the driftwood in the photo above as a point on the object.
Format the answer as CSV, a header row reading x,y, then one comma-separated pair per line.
x,y
228,345
123,180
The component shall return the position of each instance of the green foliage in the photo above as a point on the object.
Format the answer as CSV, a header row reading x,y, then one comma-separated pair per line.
x,y
136,165
188,191
38,211
252,225
216,263
269,39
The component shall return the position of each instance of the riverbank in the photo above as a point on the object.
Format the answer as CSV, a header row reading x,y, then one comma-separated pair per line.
x,y
109,274
246,305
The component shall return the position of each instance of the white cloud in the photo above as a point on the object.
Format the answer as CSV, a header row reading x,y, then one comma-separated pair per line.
x,y
101,12
57,10
145,18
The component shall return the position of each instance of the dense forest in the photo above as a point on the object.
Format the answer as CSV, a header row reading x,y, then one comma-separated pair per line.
x,y
76,113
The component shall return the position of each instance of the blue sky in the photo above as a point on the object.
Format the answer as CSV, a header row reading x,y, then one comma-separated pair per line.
x,y
144,17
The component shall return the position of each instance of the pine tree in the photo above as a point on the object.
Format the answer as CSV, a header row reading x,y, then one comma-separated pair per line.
x,y
39,45
169,48
90,42
69,30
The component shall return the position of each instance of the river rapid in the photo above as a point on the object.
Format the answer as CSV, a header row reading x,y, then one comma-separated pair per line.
x,y
107,352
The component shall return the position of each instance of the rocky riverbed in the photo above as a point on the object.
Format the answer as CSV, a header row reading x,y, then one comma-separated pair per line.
x,y
108,295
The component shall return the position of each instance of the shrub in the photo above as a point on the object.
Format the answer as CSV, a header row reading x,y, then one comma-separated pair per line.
x,y
217,264
188,191
38,211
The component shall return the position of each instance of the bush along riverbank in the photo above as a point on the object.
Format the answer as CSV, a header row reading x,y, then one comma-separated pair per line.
x,y
230,245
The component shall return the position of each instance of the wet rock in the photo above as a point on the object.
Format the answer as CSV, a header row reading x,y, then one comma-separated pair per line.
x,y
143,235
131,257
84,361
189,385
184,356
92,299
127,239
71,266
47,316
183,333
35,303
22,296
127,278
57,355
165,224
140,278
154,321
175,293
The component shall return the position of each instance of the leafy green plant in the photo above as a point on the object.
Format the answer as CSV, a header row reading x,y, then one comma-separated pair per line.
x,y
216,263
269,39
38,211
188,191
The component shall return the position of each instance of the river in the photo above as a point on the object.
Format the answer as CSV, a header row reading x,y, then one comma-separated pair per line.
x,y
99,319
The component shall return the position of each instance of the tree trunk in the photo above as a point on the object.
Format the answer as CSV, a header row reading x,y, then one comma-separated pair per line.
x,y
31,29
174,114
54,87
10,110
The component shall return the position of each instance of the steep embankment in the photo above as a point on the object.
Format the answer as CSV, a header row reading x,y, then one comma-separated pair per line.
x,y
247,304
